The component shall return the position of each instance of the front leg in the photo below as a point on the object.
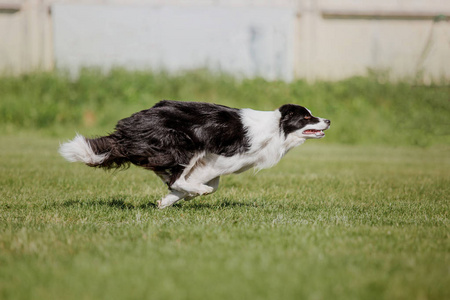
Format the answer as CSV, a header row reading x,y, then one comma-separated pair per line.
x,y
213,183
191,188
174,196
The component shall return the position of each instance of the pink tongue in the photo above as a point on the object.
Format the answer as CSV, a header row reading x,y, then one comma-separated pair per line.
x,y
311,131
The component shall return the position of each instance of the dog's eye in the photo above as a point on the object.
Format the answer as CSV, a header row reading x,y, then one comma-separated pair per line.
x,y
307,117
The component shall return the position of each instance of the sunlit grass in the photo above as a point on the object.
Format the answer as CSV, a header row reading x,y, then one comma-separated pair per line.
x,y
329,222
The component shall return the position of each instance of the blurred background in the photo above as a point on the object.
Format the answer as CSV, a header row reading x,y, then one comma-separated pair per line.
x,y
274,39
380,69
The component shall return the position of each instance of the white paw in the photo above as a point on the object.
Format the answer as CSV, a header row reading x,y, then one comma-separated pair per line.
x,y
162,205
205,189
193,190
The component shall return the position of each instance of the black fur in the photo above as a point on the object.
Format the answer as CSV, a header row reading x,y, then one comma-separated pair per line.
x,y
166,136
187,143
107,144
293,118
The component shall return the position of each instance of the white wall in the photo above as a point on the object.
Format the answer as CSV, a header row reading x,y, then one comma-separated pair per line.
x,y
312,39
25,36
338,39
243,41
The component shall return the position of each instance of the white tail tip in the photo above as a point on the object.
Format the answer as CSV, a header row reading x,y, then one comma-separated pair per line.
x,y
79,149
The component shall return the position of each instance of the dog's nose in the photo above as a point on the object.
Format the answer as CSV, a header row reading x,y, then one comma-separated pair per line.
x,y
327,121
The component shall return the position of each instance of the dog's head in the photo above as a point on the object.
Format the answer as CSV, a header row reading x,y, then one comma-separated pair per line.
x,y
298,120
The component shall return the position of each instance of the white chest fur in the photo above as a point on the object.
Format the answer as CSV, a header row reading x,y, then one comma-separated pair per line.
x,y
267,140
267,146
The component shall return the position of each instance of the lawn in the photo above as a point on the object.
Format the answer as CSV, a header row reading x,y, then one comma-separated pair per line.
x,y
360,214
330,221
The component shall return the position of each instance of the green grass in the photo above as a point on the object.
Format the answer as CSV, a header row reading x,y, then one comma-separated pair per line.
x,y
361,214
329,222
363,110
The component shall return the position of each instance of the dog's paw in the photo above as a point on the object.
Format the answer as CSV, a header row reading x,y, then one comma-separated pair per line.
x,y
199,190
161,205
205,189
193,190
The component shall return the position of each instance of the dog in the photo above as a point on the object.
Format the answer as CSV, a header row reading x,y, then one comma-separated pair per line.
x,y
189,145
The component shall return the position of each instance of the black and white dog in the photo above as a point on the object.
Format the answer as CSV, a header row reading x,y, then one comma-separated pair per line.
x,y
189,145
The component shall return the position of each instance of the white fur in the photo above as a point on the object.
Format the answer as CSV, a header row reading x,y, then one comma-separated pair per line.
x,y
79,150
268,145
266,138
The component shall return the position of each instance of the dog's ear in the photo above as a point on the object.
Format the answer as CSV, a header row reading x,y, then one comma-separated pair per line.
x,y
289,121
287,111
293,117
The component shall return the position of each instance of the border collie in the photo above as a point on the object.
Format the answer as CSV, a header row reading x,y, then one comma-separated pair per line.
x,y
189,145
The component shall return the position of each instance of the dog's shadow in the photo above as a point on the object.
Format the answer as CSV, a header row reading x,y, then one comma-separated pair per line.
x,y
225,203
118,203
123,204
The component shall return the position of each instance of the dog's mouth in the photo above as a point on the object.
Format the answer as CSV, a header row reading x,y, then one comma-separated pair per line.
x,y
314,132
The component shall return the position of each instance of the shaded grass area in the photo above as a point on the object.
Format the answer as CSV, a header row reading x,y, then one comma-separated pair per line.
x,y
328,222
363,110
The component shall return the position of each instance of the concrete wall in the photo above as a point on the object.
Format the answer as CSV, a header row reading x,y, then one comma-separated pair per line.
x,y
25,36
338,39
316,39
244,41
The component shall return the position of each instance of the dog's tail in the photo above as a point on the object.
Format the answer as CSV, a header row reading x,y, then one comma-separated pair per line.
x,y
100,152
